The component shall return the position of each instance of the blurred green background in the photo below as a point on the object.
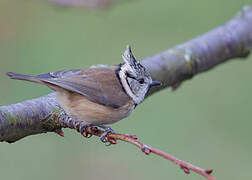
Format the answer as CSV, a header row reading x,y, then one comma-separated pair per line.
x,y
207,121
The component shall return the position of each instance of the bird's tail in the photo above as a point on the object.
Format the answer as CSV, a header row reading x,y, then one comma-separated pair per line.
x,y
23,77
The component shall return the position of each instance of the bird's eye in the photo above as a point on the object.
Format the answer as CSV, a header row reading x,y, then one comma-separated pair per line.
x,y
141,81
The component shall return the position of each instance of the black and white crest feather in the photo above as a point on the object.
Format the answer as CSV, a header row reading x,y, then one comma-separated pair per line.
x,y
131,74
129,59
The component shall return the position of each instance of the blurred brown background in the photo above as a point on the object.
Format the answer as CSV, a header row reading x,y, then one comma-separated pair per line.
x,y
207,121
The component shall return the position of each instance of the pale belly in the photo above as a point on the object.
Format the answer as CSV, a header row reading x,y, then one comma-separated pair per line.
x,y
88,112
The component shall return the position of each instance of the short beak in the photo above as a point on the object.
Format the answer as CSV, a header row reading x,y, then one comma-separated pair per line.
x,y
155,83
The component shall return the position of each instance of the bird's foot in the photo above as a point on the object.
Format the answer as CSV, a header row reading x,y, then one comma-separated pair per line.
x,y
104,138
83,130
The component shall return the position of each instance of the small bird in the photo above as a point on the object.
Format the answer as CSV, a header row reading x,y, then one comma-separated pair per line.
x,y
101,95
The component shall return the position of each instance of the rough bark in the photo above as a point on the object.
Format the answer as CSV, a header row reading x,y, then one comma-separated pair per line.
x,y
171,67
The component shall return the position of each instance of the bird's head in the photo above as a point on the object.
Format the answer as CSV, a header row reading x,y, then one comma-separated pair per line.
x,y
135,78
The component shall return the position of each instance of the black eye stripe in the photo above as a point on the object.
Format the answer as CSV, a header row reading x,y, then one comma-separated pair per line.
x,y
130,76
141,80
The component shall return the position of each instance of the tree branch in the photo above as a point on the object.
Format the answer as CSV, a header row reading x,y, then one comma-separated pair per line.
x,y
171,67
132,139
84,3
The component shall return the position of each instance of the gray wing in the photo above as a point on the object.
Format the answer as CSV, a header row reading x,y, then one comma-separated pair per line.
x,y
99,85
60,74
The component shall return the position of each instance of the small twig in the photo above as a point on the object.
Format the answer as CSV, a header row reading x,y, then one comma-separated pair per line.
x,y
132,139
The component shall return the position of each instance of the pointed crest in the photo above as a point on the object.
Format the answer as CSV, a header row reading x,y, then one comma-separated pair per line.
x,y
128,57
